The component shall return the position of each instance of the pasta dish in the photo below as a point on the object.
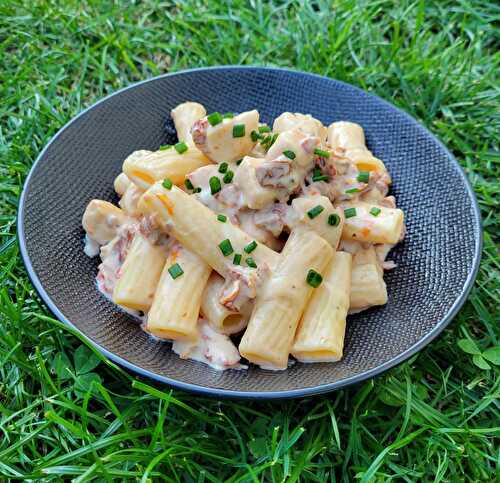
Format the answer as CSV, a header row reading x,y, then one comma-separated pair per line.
x,y
246,240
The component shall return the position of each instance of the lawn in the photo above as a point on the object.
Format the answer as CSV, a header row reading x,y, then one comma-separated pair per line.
x,y
434,418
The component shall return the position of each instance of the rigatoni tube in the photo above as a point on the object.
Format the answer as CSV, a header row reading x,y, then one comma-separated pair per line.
x,y
384,227
367,281
146,170
218,316
282,298
176,304
140,274
101,220
320,336
331,232
196,227
184,116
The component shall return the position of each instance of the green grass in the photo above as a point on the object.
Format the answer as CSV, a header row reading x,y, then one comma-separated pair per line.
x,y
433,418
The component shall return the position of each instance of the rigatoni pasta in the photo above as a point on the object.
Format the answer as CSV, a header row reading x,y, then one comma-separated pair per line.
x,y
249,236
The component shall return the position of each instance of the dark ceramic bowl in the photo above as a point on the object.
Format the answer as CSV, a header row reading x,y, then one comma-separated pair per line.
x,y
437,262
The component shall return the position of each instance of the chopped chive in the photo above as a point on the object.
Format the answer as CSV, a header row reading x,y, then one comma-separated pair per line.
x,y
352,190
228,177
322,177
237,259
214,183
364,176
350,212
164,147
228,115
251,262
289,154
188,184
250,247
254,135
222,218
273,140
333,219
320,152
314,212
266,140
175,271
314,278
264,128
317,176
167,184
214,118
223,167
181,147
239,161
225,247
375,211
238,130
197,190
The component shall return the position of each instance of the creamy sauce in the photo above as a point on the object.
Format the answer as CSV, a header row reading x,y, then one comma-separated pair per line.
x,y
214,349
91,248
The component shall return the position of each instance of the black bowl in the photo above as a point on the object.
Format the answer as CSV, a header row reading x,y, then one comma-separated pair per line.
x,y
437,262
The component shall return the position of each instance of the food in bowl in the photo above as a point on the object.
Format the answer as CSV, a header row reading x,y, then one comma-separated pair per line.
x,y
276,233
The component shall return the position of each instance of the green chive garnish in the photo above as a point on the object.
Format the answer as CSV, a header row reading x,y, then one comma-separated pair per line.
x,y
239,161
223,167
251,262
254,135
322,177
237,259
313,278
228,115
317,176
228,177
167,184
225,247
250,247
214,118
222,218
188,184
175,271
375,211
266,140
264,128
320,152
333,219
181,147
238,130
352,190
314,212
214,183
273,139
164,147
364,176
350,212
197,190
289,154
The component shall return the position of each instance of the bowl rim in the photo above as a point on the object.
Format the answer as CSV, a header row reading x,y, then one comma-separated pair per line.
x,y
238,394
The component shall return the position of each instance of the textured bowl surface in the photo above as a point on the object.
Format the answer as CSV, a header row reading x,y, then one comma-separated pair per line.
x,y
437,262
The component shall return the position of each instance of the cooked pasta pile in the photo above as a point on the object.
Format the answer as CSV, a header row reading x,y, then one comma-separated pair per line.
x,y
275,233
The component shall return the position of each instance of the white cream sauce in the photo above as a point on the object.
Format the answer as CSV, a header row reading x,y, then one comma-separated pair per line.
x,y
212,348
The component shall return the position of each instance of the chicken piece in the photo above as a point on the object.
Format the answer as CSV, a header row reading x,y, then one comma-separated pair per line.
x,y
303,122
226,141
